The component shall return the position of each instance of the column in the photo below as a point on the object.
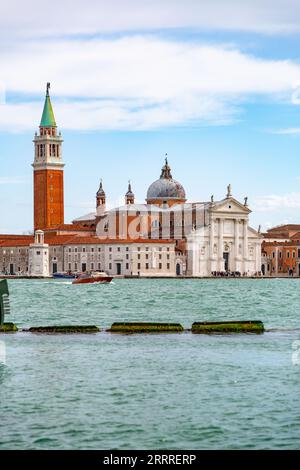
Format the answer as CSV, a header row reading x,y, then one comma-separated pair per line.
x,y
245,250
220,250
236,238
212,238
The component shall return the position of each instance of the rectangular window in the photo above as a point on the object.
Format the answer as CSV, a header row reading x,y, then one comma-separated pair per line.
x,y
127,256
168,265
168,256
288,254
99,266
127,265
76,249
147,265
69,250
109,265
83,249
139,256
147,256
147,248
70,266
92,265
99,249
160,266
139,265
127,248
75,267
159,256
139,248
110,249
294,254
168,249
92,250
38,252
119,249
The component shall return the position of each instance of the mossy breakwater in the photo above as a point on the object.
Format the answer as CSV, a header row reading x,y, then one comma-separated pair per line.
x,y
64,329
228,327
8,328
146,327
143,327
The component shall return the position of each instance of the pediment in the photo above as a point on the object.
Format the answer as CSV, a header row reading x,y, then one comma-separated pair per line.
x,y
230,205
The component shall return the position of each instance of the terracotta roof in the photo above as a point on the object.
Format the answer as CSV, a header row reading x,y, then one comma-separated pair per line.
x,y
16,242
14,237
57,240
279,235
279,244
69,228
279,228
296,236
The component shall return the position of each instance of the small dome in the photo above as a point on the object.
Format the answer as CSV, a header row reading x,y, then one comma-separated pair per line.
x,y
129,192
100,191
166,187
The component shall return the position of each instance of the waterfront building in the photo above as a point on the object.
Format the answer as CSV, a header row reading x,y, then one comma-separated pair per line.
x,y
165,236
281,251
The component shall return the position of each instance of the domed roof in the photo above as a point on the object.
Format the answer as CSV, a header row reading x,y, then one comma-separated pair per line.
x,y
166,187
100,191
129,192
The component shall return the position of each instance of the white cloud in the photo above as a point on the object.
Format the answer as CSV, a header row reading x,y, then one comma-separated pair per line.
x,y
33,18
287,131
12,179
275,202
137,82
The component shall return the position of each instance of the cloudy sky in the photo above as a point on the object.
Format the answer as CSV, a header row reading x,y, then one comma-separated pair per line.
x,y
215,84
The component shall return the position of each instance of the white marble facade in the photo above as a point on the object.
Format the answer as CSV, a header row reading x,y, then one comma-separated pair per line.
x,y
226,243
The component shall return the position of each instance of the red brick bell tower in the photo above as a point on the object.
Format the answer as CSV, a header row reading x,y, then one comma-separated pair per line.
x,y
48,172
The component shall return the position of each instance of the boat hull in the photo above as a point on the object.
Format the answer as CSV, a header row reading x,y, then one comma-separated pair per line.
x,y
92,280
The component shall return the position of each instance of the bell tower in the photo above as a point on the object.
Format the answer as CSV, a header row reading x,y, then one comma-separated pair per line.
x,y
48,171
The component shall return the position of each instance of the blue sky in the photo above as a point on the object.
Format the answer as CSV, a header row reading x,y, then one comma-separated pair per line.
x,y
214,84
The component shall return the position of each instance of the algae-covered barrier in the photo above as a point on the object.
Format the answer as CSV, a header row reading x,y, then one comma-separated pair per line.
x,y
8,328
64,329
228,327
145,327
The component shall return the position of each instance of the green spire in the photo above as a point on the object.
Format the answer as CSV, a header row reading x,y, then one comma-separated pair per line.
x,y
48,119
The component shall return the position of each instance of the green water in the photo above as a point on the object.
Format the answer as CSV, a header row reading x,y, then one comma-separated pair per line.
x,y
178,391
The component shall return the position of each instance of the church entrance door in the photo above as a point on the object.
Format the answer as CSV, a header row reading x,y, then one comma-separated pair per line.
x,y
54,268
178,269
11,269
226,261
119,268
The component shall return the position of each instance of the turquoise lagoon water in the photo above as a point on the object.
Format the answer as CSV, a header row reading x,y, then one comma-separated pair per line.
x,y
176,391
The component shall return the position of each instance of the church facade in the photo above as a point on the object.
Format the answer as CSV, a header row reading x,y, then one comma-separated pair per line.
x,y
166,236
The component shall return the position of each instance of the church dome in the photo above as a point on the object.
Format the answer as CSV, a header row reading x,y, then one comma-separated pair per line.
x,y
100,191
166,187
